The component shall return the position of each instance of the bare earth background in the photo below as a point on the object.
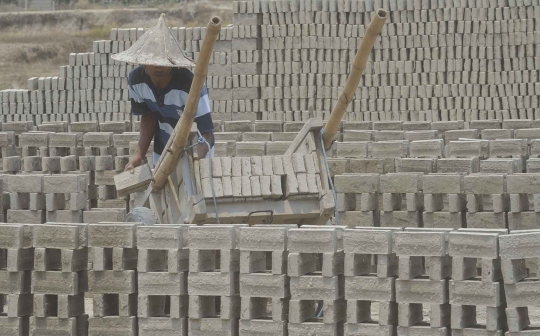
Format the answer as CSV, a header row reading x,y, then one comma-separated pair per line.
x,y
35,44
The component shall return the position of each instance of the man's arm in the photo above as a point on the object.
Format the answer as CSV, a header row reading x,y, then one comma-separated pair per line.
x,y
202,150
148,128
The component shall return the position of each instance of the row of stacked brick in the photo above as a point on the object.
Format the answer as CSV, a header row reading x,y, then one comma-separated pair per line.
x,y
439,200
434,61
93,87
59,152
89,159
287,60
266,280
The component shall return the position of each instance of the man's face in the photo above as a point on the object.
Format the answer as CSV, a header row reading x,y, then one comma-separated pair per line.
x,y
157,71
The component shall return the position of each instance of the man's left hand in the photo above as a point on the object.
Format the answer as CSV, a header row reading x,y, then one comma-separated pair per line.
x,y
202,150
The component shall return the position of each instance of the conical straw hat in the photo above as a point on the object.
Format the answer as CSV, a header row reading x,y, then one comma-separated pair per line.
x,y
157,46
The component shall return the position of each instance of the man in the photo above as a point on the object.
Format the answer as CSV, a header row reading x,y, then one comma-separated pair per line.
x,y
158,90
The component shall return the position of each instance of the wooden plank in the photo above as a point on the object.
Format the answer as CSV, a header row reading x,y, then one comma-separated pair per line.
x,y
313,124
132,181
173,202
155,205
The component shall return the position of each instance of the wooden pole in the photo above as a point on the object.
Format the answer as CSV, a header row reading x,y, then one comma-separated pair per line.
x,y
357,69
181,131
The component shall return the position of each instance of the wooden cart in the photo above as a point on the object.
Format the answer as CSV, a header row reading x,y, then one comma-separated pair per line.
x,y
182,189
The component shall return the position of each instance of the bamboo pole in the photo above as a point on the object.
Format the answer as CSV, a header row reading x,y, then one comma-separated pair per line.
x,y
182,129
357,69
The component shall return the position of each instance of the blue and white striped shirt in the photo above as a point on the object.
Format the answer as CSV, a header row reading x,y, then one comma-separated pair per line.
x,y
167,104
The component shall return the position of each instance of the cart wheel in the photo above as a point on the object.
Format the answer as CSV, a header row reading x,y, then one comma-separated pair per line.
x,y
142,215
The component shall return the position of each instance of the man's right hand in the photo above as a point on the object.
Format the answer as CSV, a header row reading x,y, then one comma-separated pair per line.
x,y
136,161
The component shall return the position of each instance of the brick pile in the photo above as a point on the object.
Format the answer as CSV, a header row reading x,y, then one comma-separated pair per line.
x,y
163,264
15,273
473,251
112,279
266,280
424,270
259,177
374,188
520,280
59,279
264,283
371,268
315,268
213,281
288,60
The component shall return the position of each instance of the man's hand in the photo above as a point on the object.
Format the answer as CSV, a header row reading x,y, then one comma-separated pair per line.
x,y
202,149
136,161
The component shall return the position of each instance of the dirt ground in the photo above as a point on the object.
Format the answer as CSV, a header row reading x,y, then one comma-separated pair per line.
x,y
35,44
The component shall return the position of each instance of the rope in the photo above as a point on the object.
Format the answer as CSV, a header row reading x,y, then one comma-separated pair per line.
x,y
336,213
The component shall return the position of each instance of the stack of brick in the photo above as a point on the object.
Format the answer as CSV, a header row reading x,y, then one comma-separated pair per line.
x,y
87,165
520,283
15,105
112,280
393,187
105,172
444,201
8,145
100,146
219,80
263,260
368,285
58,188
121,144
246,61
468,291
34,144
423,156
98,143
256,177
213,281
15,274
94,85
389,151
315,268
506,155
487,201
63,150
523,190
163,280
424,269
358,199
26,197
59,279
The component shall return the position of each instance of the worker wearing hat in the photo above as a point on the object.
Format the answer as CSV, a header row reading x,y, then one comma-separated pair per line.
x,y
158,90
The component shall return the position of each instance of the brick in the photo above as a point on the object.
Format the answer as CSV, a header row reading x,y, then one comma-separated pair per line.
x,y
420,243
421,291
355,183
473,245
314,240
64,183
